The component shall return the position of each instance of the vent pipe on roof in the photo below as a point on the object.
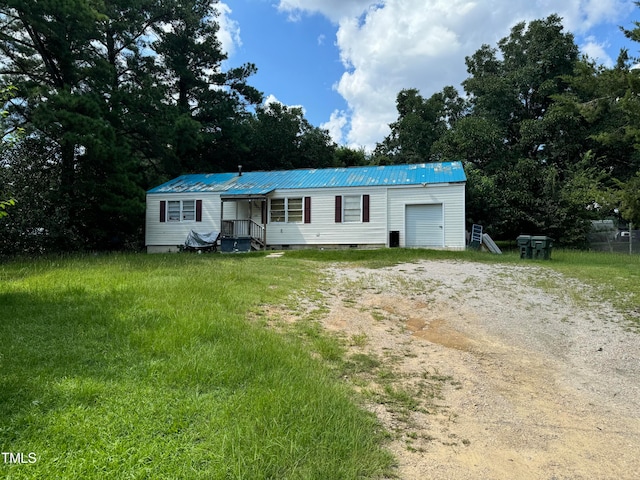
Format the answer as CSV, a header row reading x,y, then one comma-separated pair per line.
x,y
239,170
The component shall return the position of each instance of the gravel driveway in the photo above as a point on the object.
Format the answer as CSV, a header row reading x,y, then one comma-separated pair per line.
x,y
500,378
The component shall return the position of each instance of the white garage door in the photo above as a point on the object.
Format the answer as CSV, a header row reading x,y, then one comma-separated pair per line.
x,y
424,226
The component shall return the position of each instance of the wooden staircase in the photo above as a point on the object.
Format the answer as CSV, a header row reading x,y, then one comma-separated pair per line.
x,y
246,228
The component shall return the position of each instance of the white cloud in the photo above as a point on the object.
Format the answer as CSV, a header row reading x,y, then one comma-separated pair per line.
x,y
271,98
598,11
389,45
335,10
336,124
229,33
408,44
597,51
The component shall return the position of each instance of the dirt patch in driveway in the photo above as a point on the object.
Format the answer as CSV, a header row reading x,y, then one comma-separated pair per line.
x,y
491,372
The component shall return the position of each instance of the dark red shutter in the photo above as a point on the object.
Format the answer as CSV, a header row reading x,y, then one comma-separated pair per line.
x,y
338,209
365,208
198,210
307,209
163,211
264,212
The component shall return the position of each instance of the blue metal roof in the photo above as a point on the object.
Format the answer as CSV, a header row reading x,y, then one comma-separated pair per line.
x,y
260,183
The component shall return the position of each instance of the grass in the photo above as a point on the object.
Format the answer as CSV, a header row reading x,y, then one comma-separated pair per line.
x,y
149,366
146,367
614,277
385,257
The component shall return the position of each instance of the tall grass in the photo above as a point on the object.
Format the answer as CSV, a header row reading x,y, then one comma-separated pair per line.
x,y
614,277
147,367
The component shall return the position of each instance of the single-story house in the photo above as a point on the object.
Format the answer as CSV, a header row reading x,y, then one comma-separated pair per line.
x,y
419,205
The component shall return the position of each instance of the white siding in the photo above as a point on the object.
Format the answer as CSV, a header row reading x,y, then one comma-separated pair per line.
x,y
323,230
171,234
242,209
387,212
451,196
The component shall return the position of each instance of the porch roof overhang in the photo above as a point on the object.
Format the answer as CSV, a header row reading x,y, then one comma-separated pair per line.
x,y
228,197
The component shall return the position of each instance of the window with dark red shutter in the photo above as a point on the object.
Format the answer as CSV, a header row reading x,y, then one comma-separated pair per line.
x,y
198,210
307,209
365,208
163,211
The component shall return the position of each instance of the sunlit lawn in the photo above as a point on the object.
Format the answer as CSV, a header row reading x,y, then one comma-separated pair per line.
x,y
148,367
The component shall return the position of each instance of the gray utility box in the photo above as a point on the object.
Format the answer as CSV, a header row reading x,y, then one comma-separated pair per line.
x,y
394,238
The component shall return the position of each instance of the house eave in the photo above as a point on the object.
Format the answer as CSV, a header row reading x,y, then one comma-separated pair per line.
x,y
246,196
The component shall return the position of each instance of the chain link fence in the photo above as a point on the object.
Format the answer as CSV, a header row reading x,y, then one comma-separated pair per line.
x,y
606,238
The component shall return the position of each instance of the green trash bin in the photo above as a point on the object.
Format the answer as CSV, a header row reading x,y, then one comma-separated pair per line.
x,y
541,247
524,245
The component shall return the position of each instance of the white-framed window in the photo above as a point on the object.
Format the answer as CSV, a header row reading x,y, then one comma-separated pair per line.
x,y
352,208
188,210
181,210
278,210
286,210
294,210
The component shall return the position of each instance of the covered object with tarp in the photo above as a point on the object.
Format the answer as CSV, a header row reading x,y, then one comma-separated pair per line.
x,y
207,242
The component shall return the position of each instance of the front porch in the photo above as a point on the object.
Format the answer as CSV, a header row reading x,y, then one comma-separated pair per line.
x,y
245,218
246,229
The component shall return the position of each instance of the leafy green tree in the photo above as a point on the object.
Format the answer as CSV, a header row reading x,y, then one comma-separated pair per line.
x,y
629,200
4,204
526,131
209,101
476,139
36,223
607,101
281,138
484,203
349,157
516,89
125,94
603,100
66,81
421,123
5,95
629,106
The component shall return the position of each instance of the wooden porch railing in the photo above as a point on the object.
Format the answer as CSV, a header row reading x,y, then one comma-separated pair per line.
x,y
244,228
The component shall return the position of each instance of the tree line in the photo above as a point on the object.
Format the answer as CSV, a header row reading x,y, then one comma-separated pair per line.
x,y
112,98
550,140
104,100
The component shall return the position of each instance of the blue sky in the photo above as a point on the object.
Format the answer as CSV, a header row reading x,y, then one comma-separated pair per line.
x,y
344,61
297,61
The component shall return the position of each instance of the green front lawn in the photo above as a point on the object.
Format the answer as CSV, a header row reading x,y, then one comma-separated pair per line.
x,y
147,367
160,367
